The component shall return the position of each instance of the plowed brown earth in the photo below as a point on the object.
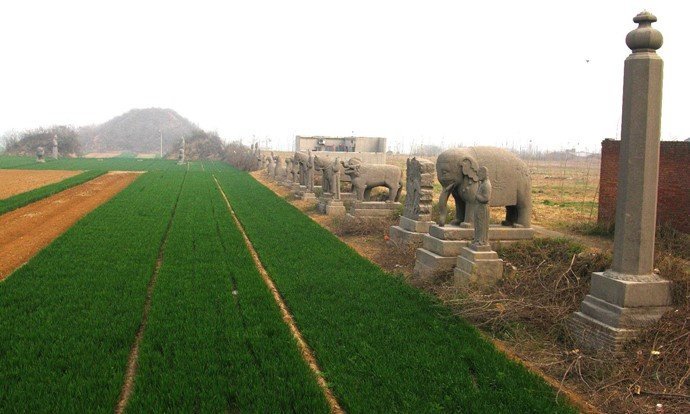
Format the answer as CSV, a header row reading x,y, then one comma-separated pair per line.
x,y
20,181
27,230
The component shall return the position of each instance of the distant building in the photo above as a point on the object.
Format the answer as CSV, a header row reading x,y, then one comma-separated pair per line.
x,y
368,149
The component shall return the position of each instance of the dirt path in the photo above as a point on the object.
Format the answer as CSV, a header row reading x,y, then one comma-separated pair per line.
x,y
27,230
20,181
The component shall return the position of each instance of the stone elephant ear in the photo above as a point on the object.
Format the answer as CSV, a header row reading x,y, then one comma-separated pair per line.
x,y
470,168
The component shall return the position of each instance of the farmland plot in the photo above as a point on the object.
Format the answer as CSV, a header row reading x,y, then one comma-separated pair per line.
x,y
68,317
383,346
215,340
108,164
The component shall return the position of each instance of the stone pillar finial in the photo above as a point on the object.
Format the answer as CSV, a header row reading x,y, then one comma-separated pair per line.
x,y
644,38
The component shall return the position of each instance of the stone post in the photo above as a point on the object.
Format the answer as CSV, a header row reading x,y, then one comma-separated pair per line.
x,y
55,147
629,295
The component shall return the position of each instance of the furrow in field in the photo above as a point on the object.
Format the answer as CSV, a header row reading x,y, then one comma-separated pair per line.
x,y
133,360
67,317
383,345
214,340
27,230
306,351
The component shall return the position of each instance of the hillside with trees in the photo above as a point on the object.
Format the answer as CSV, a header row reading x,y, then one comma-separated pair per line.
x,y
138,130
26,142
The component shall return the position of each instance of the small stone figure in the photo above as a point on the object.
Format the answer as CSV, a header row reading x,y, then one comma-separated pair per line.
x,y
310,172
481,213
335,182
180,155
55,147
40,153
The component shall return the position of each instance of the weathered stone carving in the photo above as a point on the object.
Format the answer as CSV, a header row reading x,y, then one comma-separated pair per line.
x,y
365,177
481,212
40,154
457,171
301,159
324,164
279,170
334,184
55,147
271,165
419,187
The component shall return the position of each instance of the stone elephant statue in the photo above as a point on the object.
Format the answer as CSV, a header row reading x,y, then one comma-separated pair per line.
x,y
456,170
365,177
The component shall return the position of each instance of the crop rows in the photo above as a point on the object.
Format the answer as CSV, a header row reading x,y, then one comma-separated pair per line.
x,y
108,164
40,193
69,316
11,161
215,341
383,346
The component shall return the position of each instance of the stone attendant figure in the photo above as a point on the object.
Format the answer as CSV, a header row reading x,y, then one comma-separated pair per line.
x,y
310,173
336,168
481,213
55,147
40,152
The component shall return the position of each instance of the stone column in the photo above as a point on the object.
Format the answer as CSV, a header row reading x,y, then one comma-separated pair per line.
x,y
629,295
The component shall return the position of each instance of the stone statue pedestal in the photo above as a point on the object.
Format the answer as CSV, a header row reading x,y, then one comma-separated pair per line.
x,y
409,231
295,187
477,265
306,195
442,246
335,208
373,209
617,307
323,202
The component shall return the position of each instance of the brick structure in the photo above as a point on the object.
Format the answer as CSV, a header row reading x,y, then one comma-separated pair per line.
x,y
673,200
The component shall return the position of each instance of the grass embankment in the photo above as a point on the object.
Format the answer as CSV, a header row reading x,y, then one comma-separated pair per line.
x,y
20,200
215,341
383,346
69,316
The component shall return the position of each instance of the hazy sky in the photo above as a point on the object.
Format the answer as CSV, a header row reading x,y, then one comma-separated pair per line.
x,y
443,72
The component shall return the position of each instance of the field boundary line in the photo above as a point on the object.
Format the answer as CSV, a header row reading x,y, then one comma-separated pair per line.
x,y
306,351
133,359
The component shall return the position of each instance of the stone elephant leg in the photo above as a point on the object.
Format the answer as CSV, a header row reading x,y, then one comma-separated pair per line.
x,y
524,207
367,194
511,216
392,192
460,209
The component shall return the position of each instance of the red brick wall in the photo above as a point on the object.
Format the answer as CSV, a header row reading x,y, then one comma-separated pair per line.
x,y
673,201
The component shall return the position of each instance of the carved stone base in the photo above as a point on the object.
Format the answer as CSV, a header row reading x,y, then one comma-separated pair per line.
x,y
372,209
409,232
40,160
335,208
306,195
496,232
478,265
617,307
445,244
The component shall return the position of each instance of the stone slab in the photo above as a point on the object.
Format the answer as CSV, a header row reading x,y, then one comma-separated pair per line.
x,y
376,205
445,248
400,236
651,292
496,232
592,334
483,268
366,212
335,208
435,261
619,317
416,226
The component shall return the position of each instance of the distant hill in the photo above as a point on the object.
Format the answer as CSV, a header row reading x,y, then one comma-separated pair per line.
x,y
27,142
137,131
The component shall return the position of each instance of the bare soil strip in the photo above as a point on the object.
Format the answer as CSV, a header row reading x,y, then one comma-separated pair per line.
x,y
133,360
307,353
27,230
20,181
